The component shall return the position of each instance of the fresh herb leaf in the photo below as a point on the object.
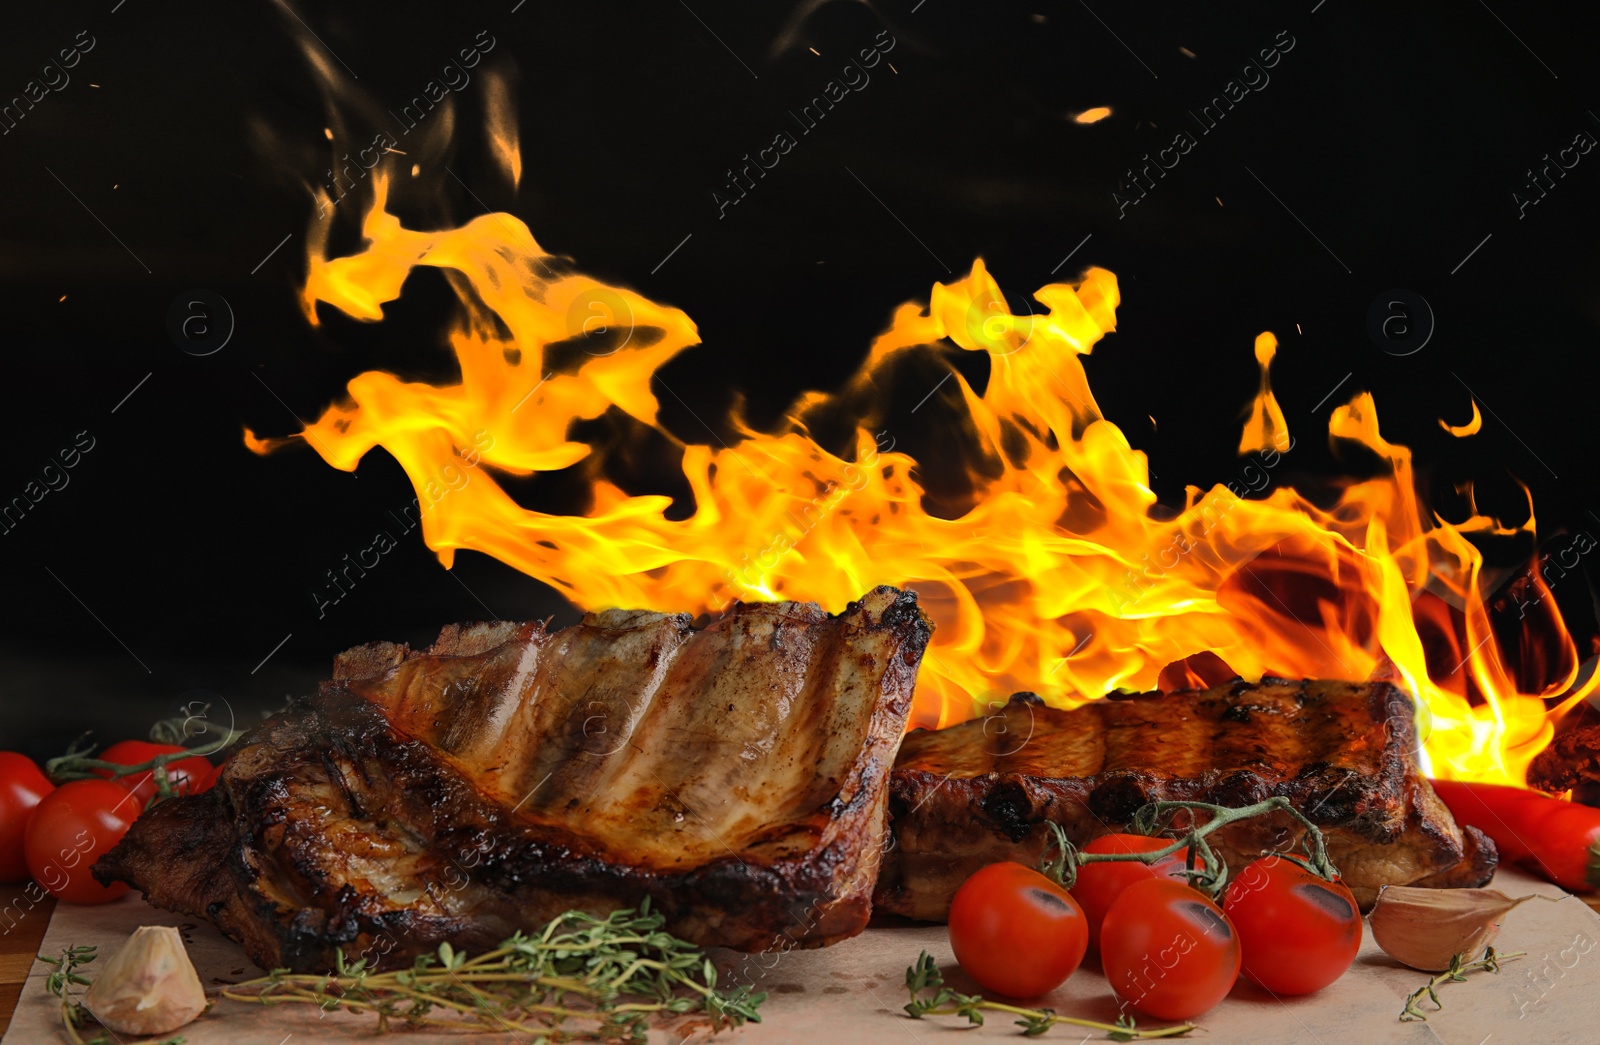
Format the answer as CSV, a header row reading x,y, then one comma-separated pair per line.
x,y
923,976
580,977
1459,967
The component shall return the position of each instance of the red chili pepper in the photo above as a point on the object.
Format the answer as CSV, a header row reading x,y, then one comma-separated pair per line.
x,y
1560,840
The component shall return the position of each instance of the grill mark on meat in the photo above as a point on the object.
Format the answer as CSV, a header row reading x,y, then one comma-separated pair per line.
x,y
696,749
460,693
609,673
747,802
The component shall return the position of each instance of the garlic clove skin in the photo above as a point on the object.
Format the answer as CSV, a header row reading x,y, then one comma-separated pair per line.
x,y
1425,928
149,986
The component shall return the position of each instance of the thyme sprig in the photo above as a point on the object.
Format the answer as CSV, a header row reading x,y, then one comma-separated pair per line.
x,y
74,1015
924,977
1459,967
581,977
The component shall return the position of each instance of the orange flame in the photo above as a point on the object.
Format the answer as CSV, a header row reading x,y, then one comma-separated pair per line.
x,y
1470,428
1063,576
1266,429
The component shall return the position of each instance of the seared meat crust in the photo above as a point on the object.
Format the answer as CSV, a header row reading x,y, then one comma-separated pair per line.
x,y
736,776
1343,753
1571,762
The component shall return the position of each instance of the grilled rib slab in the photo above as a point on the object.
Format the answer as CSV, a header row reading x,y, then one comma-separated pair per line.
x,y
736,776
1343,753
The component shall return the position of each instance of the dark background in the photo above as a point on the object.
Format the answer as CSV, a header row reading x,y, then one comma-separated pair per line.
x,y
175,561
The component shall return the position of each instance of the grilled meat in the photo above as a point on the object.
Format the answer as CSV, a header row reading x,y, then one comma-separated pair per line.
x,y
1343,753
735,776
1571,761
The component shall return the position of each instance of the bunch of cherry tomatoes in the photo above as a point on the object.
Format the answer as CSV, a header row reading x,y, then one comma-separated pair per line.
x,y
1168,949
55,834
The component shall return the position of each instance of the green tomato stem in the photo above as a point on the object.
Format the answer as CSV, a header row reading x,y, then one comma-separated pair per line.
x,y
1063,867
76,766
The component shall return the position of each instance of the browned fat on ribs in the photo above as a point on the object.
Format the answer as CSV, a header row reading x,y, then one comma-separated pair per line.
x,y
735,776
1343,753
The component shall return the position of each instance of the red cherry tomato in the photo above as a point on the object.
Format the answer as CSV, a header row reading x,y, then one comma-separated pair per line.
x,y
185,773
1298,931
1099,885
1168,950
72,827
1015,931
22,785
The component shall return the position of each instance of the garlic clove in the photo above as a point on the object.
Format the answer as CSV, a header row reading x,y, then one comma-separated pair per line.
x,y
149,986
1425,928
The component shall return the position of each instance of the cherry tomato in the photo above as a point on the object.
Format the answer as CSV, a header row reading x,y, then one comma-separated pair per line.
x,y
1015,931
185,773
1099,885
22,785
72,827
1168,950
1298,931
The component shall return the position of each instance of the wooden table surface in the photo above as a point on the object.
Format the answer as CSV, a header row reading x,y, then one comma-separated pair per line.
x,y
21,929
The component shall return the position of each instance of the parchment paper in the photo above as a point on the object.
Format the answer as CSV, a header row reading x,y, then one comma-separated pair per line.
x,y
854,991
